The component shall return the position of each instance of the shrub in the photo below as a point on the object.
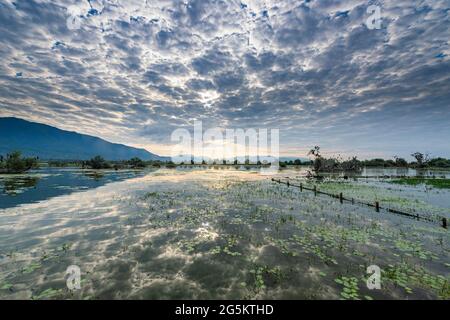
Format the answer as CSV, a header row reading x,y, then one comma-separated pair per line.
x,y
14,163
136,163
171,165
98,163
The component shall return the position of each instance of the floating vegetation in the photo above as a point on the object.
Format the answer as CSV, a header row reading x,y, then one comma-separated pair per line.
x,y
406,277
350,288
31,267
189,246
411,248
66,246
47,294
6,286
260,273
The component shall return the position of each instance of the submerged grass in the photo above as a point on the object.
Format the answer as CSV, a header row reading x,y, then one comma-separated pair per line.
x,y
382,191
435,183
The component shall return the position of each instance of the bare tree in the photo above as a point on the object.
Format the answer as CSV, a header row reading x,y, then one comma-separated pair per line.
x,y
421,159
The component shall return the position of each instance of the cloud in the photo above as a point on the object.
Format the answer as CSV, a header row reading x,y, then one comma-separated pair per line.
x,y
136,70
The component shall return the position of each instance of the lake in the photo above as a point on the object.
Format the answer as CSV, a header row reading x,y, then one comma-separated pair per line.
x,y
215,234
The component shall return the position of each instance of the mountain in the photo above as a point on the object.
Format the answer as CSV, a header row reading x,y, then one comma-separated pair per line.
x,y
47,142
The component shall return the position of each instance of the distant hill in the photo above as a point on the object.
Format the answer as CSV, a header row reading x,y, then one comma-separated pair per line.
x,y
47,142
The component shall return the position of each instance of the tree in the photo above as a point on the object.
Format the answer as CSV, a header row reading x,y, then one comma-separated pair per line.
x,y
14,163
352,164
297,162
315,151
171,165
375,163
98,163
318,160
136,163
400,162
321,164
421,159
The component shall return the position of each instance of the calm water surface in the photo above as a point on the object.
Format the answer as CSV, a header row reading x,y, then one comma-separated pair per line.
x,y
213,234
46,183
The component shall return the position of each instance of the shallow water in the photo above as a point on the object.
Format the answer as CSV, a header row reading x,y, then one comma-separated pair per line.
x,y
420,199
405,172
215,234
46,183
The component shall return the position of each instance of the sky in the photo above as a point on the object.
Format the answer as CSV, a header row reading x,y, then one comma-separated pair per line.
x,y
134,71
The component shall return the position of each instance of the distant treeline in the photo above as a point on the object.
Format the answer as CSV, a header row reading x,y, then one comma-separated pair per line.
x,y
399,162
324,164
99,162
15,163
422,161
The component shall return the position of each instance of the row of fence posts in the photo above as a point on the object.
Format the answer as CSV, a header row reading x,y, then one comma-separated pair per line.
x,y
341,200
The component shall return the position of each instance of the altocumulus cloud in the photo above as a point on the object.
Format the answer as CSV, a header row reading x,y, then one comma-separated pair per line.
x,y
132,71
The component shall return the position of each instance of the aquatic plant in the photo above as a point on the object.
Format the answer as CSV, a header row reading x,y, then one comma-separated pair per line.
x,y
350,288
435,183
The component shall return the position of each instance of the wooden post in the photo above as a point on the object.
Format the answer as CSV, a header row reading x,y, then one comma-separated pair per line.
x,y
377,206
341,198
444,223
301,187
315,190
353,201
287,184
